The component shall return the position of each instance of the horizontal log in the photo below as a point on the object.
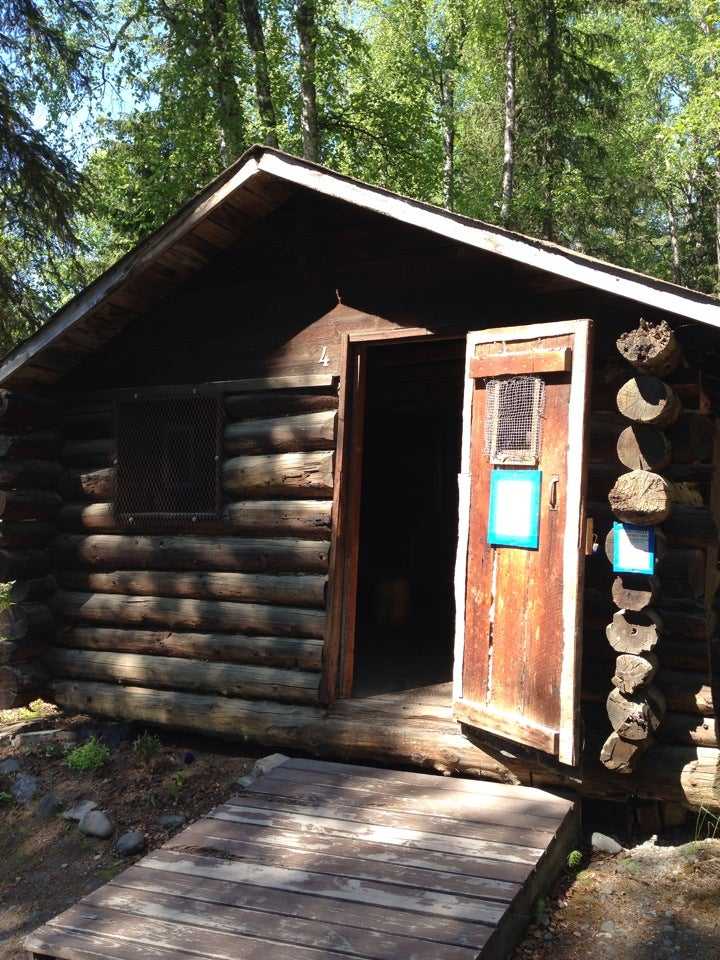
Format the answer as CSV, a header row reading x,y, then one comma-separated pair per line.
x,y
21,684
645,399
26,533
280,475
29,504
23,564
688,775
37,445
23,619
301,653
22,651
276,403
117,552
225,679
633,672
301,590
305,519
651,347
39,588
25,410
690,526
634,632
684,691
690,729
642,447
692,438
41,474
682,572
179,614
622,756
88,484
98,452
96,420
305,431
640,497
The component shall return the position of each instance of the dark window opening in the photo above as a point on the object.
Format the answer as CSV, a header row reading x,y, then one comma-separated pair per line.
x,y
168,457
409,516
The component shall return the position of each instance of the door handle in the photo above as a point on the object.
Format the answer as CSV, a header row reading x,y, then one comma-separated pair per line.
x,y
554,484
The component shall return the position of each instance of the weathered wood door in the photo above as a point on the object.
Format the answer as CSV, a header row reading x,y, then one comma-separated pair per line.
x,y
517,649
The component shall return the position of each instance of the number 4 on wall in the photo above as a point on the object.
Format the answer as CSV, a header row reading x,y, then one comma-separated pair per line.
x,y
324,358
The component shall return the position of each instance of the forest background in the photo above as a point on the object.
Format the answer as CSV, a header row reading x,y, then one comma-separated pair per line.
x,y
592,124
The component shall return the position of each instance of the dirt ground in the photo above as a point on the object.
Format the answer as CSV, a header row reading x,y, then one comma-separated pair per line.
x,y
651,902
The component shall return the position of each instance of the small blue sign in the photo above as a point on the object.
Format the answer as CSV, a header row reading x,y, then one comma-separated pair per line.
x,y
633,548
514,512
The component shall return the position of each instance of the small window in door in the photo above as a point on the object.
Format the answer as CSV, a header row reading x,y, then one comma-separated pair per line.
x,y
513,424
168,458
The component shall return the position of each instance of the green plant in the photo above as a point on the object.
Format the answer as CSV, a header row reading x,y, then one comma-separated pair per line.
x,y
574,859
177,782
5,595
90,756
5,797
707,824
146,746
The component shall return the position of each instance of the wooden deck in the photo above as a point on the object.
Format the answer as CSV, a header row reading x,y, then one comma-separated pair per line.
x,y
325,861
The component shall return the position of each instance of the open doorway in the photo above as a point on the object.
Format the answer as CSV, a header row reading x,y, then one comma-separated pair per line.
x,y
409,515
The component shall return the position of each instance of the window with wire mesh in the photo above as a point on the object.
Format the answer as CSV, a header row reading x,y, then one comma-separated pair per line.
x,y
168,457
513,419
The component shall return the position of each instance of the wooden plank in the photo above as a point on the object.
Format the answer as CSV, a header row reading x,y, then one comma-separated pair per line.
x,y
505,364
373,827
391,776
191,884
55,943
512,726
260,845
498,881
353,941
514,811
336,803
337,888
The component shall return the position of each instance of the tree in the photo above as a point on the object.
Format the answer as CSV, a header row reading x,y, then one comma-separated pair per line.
x,y
305,20
263,90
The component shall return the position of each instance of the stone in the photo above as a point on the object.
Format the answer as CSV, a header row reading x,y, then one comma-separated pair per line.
x,y
130,843
604,844
607,926
48,805
32,739
95,823
9,766
78,811
171,821
24,787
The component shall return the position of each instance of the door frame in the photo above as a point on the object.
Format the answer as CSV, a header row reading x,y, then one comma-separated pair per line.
x,y
340,639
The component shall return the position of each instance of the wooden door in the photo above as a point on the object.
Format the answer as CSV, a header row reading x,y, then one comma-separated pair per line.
x,y
517,648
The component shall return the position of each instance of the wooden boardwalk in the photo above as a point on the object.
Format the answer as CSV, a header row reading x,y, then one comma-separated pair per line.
x,y
328,861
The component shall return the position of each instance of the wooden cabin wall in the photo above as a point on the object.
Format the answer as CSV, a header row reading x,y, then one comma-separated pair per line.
x,y
221,628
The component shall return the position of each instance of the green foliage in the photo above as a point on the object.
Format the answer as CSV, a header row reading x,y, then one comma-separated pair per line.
x,y
90,756
177,783
5,797
5,595
146,747
574,860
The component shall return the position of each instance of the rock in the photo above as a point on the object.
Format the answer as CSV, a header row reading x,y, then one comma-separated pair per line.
x,y
39,738
604,844
79,810
188,757
95,823
48,805
24,788
9,766
607,926
131,842
171,821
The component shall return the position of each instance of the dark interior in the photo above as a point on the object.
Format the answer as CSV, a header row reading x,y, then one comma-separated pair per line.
x,y
409,512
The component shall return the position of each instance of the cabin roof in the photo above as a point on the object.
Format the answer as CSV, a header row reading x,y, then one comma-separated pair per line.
x,y
250,189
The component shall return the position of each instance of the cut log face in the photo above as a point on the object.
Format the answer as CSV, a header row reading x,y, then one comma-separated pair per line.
x,y
648,400
620,755
634,632
643,447
633,672
651,348
634,592
636,716
640,497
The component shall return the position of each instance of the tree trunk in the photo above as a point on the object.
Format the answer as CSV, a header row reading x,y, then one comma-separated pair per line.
x,y
549,159
447,110
674,241
306,27
263,91
508,176
228,104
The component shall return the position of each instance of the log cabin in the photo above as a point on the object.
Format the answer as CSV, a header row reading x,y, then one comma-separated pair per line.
x,y
329,470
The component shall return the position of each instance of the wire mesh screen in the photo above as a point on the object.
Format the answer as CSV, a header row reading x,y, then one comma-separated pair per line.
x,y
513,419
168,458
